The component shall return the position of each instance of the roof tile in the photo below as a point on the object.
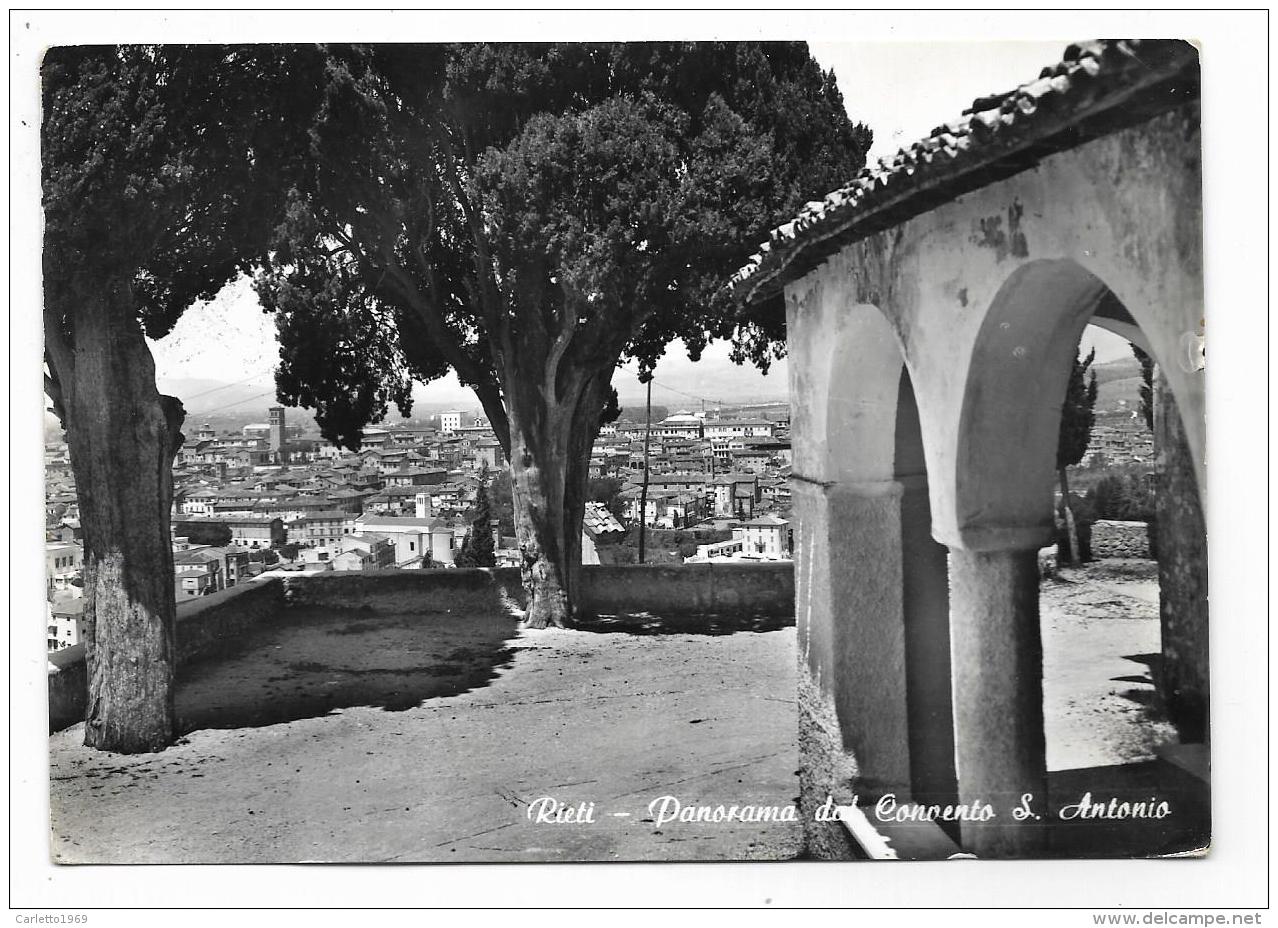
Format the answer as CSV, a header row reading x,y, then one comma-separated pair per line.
x,y
1094,78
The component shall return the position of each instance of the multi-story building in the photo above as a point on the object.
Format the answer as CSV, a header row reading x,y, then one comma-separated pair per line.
x,y
366,551
407,476
1128,443
277,437
670,427
317,529
450,422
207,559
488,453
766,538
200,502
735,495
677,483
752,460
247,531
739,428
193,581
416,540
64,562
65,623
630,500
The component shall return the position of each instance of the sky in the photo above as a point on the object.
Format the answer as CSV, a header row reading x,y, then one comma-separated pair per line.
x,y
901,90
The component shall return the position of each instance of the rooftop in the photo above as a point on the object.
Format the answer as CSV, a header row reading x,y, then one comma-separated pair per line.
x,y
598,519
1097,88
768,520
372,518
68,607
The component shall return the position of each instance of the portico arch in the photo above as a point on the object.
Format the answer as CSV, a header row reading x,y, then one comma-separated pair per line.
x,y
1011,410
872,582
1004,490
1020,363
988,247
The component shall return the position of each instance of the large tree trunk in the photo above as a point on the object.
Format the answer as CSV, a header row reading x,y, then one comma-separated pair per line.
x,y
122,436
1074,555
549,466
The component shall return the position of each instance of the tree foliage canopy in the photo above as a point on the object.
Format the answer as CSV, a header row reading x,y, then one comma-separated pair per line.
x,y
479,550
529,216
1078,413
498,208
1146,386
165,166
217,534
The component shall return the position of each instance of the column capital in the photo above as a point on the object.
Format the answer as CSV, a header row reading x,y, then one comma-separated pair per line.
x,y
862,489
990,538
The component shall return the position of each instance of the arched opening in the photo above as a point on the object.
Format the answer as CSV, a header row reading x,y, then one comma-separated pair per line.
x,y
1012,402
1124,618
1032,671
872,582
926,611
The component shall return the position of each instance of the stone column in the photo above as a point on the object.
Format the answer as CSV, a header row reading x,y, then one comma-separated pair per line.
x,y
997,655
853,712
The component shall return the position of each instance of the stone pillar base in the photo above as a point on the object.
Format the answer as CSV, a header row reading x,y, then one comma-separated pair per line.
x,y
997,653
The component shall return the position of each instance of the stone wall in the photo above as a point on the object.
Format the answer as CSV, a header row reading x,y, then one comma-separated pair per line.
x,y
206,625
766,589
762,589
1111,538
1182,574
68,687
395,590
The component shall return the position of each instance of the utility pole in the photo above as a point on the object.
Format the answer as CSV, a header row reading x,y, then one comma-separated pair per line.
x,y
643,494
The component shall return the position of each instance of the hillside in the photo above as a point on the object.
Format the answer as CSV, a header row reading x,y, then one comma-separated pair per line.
x,y
1117,385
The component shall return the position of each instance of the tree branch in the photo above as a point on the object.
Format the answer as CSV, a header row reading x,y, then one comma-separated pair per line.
x,y
429,313
484,268
53,390
57,347
406,293
490,399
562,339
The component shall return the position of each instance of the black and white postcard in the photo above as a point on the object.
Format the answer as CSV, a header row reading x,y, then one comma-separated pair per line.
x,y
673,448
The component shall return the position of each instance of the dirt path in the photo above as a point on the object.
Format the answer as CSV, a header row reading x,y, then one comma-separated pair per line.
x,y
1100,651
614,719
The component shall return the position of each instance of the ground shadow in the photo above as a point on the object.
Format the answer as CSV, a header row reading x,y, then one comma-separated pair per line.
x,y
645,623
306,662
1154,663
1151,699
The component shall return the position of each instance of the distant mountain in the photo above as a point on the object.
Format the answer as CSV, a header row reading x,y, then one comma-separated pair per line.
x,y
1118,369
1117,385
231,405
202,396
684,386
